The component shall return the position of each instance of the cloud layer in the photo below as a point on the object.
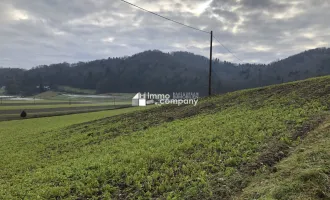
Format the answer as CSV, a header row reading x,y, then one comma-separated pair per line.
x,y
44,32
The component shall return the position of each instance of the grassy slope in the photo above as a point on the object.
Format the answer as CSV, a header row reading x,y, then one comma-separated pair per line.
x,y
304,175
75,90
15,137
211,151
47,95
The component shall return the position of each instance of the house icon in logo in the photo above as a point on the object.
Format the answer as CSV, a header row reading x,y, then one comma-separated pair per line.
x,y
139,100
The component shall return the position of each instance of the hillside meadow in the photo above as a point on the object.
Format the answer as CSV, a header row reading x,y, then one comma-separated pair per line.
x,y
241,145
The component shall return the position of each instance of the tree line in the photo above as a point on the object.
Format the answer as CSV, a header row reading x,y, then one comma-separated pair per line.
x,y
158,72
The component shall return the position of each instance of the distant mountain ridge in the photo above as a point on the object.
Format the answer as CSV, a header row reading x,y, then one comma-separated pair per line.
x,y
155,71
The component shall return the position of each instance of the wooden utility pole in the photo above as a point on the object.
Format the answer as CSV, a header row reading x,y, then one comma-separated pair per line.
x,y
210,71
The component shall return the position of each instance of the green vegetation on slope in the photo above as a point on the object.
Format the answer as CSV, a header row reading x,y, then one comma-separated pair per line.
x,y
47,95
211,151
73,90
303,175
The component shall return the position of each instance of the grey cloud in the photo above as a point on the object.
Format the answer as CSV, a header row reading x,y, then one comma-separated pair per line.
x,y
72,31
269,5
230,16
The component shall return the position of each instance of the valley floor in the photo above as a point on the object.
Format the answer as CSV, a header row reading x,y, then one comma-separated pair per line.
x,y
55,104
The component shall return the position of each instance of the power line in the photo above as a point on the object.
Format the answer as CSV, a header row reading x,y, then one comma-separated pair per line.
x,y
191,27
182,24
227,49
164,17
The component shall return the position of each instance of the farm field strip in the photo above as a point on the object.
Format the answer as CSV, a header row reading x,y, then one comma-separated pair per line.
x,y
59,109
55,102
40,111
8,117
39,103
5,101
26,107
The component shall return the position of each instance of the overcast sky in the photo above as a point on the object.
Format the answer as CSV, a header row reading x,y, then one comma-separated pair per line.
x,y
36,32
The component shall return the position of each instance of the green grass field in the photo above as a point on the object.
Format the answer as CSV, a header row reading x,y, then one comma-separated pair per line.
x,y
68,89
47,95
264,143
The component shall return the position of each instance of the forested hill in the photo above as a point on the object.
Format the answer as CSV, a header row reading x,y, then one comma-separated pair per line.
x,y
155,71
